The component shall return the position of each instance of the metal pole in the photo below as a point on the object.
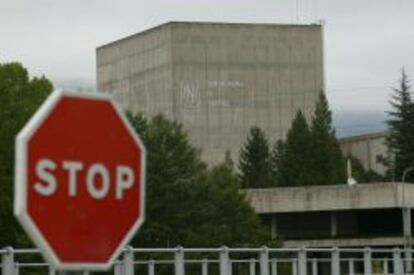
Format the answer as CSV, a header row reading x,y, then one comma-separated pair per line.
x,y
7,262
179,261
224,261
118,268
294,267
128,261
204,267
274,266
151,267
71,272
385,266
335,262
405,173
367,261
302,262
252,266
314,266
398,266
264,261
351,267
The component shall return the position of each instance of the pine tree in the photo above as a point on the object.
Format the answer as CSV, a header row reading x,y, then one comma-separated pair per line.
x,y
295,163
277,156
401,127
255,163
328,164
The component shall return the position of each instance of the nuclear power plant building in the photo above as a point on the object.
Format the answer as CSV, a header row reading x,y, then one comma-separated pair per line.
x,y
217,79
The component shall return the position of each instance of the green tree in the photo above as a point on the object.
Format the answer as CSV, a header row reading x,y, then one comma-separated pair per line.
x,y
277,157
328,165
187,204
296,152
255,161
20,96
401,130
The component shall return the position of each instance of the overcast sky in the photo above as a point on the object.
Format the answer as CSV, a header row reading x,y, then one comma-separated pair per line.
x,y
366,42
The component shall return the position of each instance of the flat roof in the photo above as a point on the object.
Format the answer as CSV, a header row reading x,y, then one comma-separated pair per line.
x,y
201,23
368,136
331,197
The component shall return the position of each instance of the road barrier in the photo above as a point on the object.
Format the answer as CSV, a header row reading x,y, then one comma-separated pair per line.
x,y
230,261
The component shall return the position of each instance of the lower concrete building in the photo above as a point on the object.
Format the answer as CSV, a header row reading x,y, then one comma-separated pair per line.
x,y
370,149
375,215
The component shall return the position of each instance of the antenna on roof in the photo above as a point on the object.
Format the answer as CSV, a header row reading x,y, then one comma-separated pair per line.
x,y
351,180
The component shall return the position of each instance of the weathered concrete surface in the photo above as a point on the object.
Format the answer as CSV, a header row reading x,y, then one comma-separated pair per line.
x,y
217,79
351,242
370,149
333,197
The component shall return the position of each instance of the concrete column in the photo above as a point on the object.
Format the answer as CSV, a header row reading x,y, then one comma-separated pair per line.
x,y
334,225
273,226
407,222
407,239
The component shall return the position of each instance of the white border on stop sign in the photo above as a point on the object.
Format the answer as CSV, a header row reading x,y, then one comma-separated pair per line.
x,y
20,184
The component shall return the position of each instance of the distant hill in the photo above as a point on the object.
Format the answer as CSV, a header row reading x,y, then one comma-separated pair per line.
x,y
357,122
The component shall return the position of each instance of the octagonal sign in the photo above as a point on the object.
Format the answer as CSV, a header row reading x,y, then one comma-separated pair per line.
x,y
79,182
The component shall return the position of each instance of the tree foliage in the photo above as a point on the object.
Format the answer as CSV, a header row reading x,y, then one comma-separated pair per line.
x,y
401,130
328,163
187,204
295,154
20,96
255,161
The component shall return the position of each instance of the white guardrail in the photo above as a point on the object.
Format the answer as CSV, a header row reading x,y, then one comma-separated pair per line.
x,y
230,261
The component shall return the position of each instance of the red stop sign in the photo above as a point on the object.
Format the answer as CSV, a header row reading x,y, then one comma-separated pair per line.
x,y
79,183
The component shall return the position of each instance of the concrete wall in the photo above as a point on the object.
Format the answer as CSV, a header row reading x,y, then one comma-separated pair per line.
x,y
370,149
333,197
218,79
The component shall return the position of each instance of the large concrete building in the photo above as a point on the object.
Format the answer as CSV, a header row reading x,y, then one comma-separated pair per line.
x,y
217,79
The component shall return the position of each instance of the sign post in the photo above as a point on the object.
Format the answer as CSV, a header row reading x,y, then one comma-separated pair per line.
x,y
80,180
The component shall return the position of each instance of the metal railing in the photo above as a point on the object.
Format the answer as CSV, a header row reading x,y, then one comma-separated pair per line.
x,y
231,261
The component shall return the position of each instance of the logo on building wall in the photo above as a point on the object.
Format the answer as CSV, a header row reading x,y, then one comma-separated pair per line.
x,y
190,94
